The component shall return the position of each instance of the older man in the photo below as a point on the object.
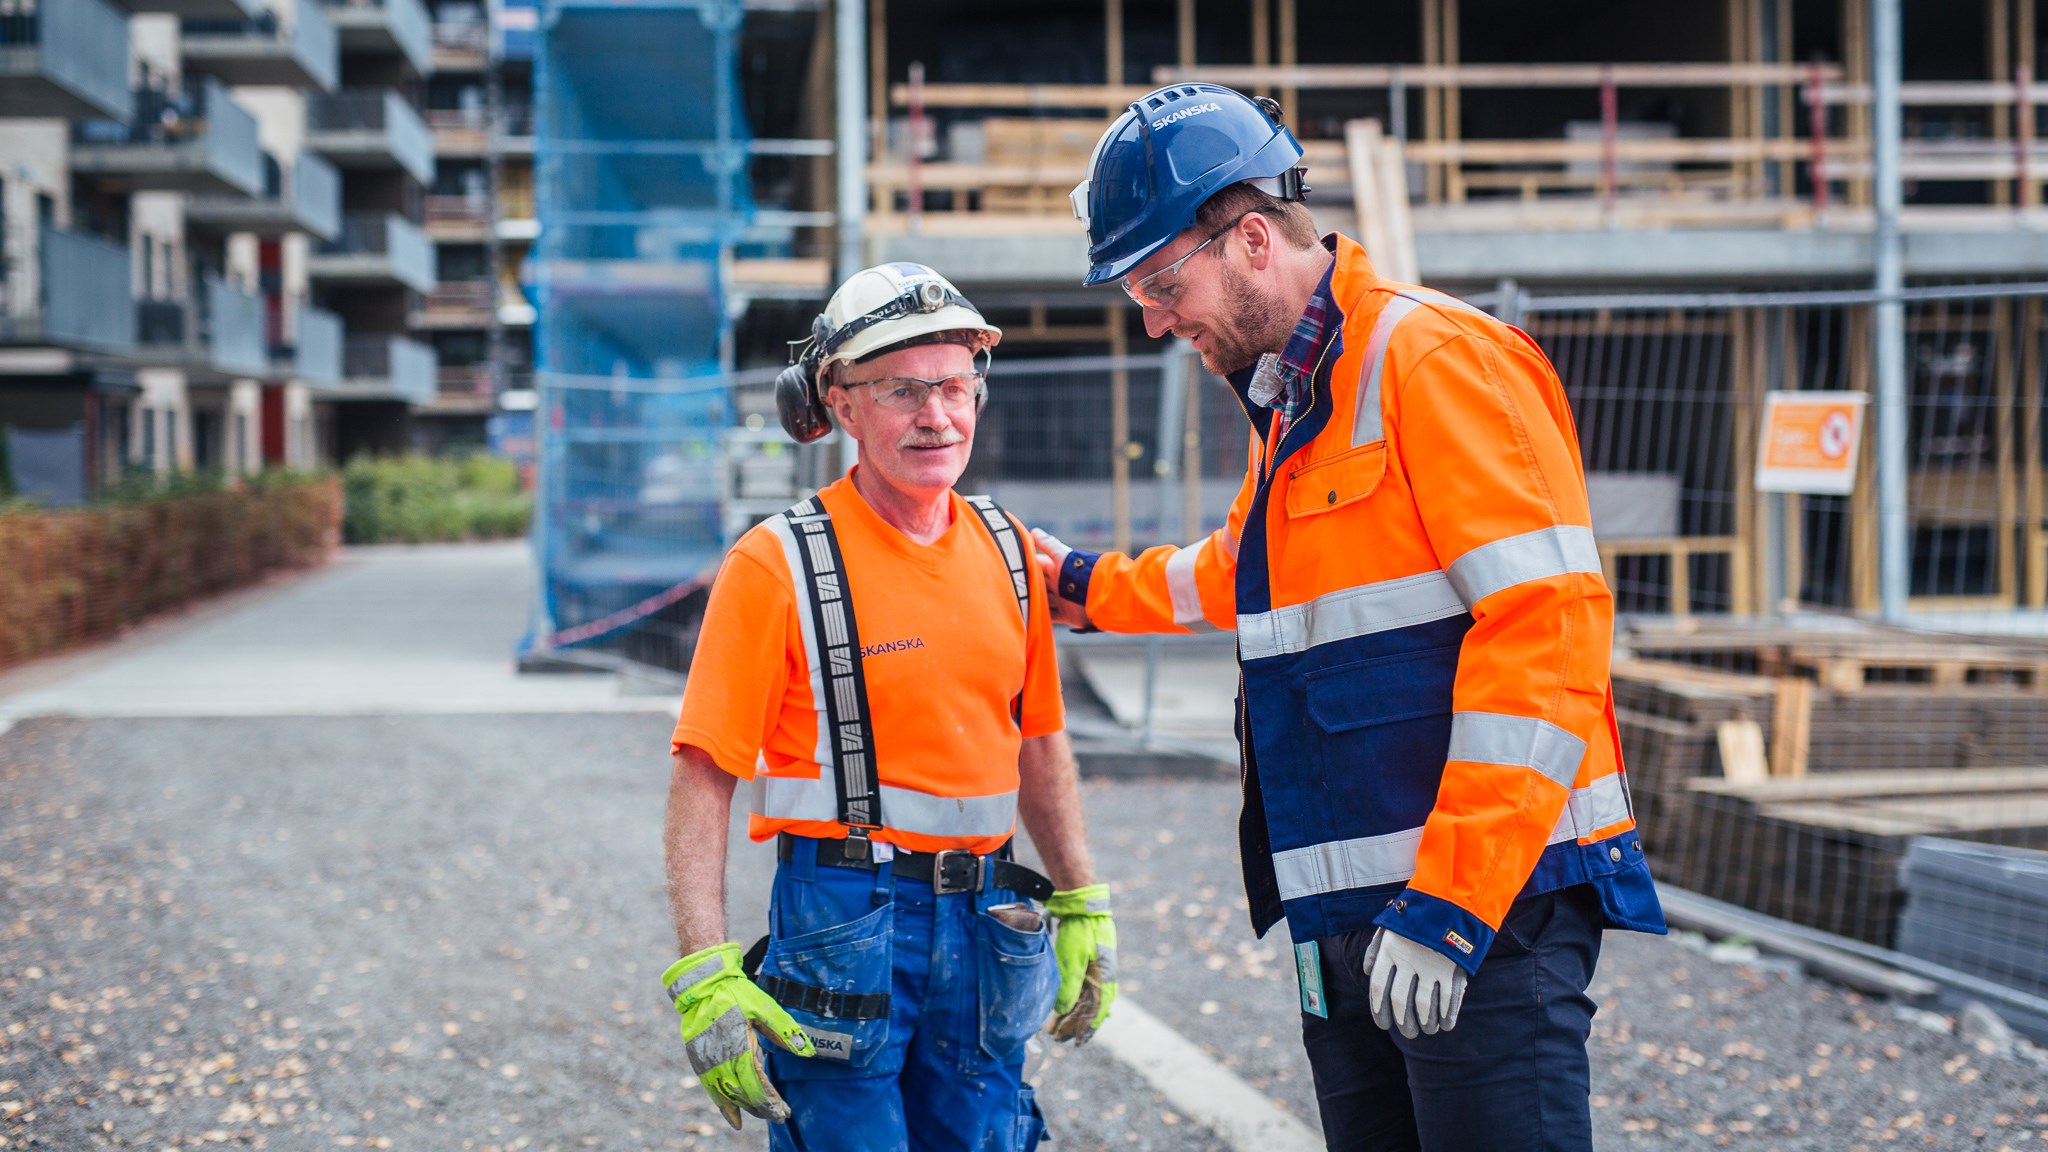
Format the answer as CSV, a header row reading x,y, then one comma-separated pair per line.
x,y
878,660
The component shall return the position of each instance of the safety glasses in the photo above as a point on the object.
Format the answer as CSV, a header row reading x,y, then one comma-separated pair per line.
x,y
909,393
1162,288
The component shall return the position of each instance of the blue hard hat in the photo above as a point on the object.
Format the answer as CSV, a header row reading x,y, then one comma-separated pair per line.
x,y
1170,152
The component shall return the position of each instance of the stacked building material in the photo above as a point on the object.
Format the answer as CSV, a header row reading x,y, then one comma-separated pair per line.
x,y
1824,850
1978,909
1670,717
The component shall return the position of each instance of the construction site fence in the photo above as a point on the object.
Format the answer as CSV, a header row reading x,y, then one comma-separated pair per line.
x,y
1786,752
72,576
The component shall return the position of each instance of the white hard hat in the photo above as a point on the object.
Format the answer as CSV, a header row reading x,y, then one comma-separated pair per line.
x,y
887,306
892,304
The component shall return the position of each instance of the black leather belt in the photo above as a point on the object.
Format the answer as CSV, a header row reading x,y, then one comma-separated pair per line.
x,y
952,870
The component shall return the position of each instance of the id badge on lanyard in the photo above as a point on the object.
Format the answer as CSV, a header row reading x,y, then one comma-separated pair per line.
x,y
1308,965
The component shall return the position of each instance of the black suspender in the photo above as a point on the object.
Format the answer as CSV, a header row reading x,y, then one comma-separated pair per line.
x,y
1004,532
837,653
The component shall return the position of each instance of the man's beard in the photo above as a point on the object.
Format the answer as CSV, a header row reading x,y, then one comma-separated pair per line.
x,y
1258,323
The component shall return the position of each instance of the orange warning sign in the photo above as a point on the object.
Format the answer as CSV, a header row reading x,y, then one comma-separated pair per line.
x,y
1809,442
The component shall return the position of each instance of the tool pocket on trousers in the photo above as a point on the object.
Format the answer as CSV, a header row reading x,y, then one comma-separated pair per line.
x,y
835,983
1030,1123
1019,980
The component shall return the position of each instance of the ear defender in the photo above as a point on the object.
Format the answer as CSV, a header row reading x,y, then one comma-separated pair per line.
x,y
803,414
797,403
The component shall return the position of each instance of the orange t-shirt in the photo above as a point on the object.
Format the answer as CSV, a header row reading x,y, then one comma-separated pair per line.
x,y
943,648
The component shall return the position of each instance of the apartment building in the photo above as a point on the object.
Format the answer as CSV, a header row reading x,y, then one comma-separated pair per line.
x,y
216,217
153,195
480,216
377,268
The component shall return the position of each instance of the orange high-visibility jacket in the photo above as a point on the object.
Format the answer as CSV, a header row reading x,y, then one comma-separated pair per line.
x,y
1426,715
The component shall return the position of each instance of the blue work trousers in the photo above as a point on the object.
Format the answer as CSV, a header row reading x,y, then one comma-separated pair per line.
x,y
944,1069
1511,1077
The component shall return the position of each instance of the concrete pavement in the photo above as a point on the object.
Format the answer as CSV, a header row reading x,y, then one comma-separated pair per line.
x,y
381,631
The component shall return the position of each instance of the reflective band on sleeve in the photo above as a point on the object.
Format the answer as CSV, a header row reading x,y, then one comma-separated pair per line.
x,y
1362,863
1346,613
1228,542
799,798
1186,594
1518,741
1519,559
1370,861
1600,804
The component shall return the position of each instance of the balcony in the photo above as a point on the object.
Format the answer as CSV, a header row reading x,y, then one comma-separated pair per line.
x,y
77,298
391,27
459,219
67,59
303,195
265,50
199,141
385,367
459,132
461,46
465,388
512,135
220,335
232,326
312,354
456,304
375,248
370,128
196,9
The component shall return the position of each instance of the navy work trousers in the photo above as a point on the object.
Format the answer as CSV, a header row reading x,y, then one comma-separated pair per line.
x,y
1511,1077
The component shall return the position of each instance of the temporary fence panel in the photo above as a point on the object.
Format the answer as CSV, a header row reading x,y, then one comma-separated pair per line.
x,y
1045,451
1669,393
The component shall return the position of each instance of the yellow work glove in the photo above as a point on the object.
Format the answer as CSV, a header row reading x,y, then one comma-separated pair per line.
x,y
1084,942
721,1008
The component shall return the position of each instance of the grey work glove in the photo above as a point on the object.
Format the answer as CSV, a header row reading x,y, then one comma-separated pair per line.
x,y
1415,989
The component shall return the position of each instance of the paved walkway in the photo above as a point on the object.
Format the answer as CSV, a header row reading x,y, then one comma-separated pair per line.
x,y
381,631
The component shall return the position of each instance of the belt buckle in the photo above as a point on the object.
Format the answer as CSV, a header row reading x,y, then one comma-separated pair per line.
x,y
949,876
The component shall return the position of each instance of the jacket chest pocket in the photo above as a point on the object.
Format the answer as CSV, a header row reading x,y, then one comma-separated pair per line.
x,y
1331,483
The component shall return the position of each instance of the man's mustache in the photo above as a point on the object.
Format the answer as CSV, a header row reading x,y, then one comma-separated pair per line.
x,y
941,440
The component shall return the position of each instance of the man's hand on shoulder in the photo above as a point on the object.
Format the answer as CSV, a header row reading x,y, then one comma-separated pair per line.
x,y
1051,554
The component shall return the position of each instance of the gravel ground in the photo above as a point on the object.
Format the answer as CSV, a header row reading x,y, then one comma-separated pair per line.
x,y
443,933
373,932
1693,1047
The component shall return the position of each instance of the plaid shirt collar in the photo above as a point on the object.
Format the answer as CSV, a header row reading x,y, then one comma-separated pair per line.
x,y
1282,380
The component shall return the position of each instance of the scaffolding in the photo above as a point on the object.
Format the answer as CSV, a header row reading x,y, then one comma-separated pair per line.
x,y
642,194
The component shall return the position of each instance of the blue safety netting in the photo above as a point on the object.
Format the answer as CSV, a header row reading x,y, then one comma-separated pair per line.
x,y
642,190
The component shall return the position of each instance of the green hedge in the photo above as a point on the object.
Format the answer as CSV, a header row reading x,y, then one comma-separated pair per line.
x,y
416,499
